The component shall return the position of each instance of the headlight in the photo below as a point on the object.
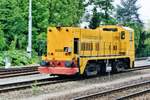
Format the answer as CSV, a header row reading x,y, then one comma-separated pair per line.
x,y
44,63
68,63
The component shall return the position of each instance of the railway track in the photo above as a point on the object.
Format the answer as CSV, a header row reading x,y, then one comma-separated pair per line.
x,y
121,93
29,84
13,72
46,81
16,69
137,68
136,94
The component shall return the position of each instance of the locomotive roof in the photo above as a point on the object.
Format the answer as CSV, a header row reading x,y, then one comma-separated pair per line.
x,y
128,28
116,26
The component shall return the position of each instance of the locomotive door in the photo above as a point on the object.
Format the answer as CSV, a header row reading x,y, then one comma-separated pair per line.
x,y
122,50
131,44
76,46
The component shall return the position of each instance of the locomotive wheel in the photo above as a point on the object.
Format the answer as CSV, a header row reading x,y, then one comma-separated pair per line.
x,y
118,66
91,70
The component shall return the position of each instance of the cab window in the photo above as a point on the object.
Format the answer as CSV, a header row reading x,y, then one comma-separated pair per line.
x,y
122,35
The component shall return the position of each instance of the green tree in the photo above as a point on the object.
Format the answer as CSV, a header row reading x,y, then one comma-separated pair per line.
x,y
2,40
106,8
102,13
146,39
53,12
95,21
65,12
127,14
11,19
14,24
14,19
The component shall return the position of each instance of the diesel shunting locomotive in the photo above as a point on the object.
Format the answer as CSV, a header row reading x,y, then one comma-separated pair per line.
x,y
72,50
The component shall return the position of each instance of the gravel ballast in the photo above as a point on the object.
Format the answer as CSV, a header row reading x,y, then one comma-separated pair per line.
x,y
142,97
68,90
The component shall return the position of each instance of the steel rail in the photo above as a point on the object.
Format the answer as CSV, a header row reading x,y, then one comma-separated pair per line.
x,y
13,72
18,71
19,74
137,68
103,93
51,81
134,94
28,84
141,58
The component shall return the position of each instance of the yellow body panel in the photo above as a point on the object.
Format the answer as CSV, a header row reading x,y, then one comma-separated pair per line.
x,y
56,41
105,42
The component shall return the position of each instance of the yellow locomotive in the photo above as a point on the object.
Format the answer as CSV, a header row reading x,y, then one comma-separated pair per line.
x,y
88,52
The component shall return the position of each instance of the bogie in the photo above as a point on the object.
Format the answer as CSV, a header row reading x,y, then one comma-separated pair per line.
x,y
99,67
91,70
119,66
95,68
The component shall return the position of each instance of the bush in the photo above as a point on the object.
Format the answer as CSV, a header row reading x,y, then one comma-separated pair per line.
x,y
17,58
